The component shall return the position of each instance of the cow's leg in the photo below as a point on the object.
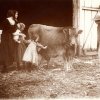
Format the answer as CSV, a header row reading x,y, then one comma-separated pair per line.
x,y
68,64
42,63
46,65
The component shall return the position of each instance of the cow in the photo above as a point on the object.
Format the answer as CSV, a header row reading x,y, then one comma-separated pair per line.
x,y
60,41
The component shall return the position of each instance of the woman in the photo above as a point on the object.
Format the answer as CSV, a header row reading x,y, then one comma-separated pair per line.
x,y
19,37
8,45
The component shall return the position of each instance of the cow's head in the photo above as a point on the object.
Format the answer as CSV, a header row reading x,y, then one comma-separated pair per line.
x,y
71,35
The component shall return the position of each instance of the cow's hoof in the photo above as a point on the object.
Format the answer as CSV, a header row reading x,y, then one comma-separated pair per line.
x,y
53,95
69,70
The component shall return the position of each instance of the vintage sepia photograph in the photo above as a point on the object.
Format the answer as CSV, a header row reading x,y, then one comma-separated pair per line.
x,y
49,49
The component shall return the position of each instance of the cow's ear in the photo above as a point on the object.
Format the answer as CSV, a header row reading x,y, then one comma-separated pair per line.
x,y
80,31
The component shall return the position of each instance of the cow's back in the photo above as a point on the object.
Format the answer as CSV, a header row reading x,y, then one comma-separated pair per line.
x,y
53,37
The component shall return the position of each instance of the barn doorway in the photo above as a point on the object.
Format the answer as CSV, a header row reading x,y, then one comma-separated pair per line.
x,y
48,12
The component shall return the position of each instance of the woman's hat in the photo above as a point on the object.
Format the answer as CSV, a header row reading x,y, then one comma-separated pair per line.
x,y
97,18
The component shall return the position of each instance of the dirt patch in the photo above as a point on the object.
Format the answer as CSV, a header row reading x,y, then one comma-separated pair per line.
x,y
53,82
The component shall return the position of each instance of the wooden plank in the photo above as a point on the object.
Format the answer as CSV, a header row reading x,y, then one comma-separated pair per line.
x,y
75,13
90,9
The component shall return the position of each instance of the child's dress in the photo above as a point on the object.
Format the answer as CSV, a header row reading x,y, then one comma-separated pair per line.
x,y
31,54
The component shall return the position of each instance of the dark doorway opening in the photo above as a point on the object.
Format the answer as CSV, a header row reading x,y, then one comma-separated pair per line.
x,y
48,12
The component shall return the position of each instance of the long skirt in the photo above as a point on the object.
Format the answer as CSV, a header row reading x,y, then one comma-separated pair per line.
x,y
21,50
8,51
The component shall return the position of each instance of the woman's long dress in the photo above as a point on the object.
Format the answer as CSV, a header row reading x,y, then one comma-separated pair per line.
x,y
21,49
31,54
8,45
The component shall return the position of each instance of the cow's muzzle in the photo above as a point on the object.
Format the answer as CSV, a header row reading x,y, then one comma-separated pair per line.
x,y
72,46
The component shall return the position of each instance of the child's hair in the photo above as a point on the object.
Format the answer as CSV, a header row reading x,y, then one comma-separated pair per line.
x,y
21,26
18,34
33,38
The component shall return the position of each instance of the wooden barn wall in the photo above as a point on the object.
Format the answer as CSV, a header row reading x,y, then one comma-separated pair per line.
x,y
84,12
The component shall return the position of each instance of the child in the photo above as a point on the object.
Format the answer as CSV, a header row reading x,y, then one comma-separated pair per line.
x,y
20,28
31,54
19,37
